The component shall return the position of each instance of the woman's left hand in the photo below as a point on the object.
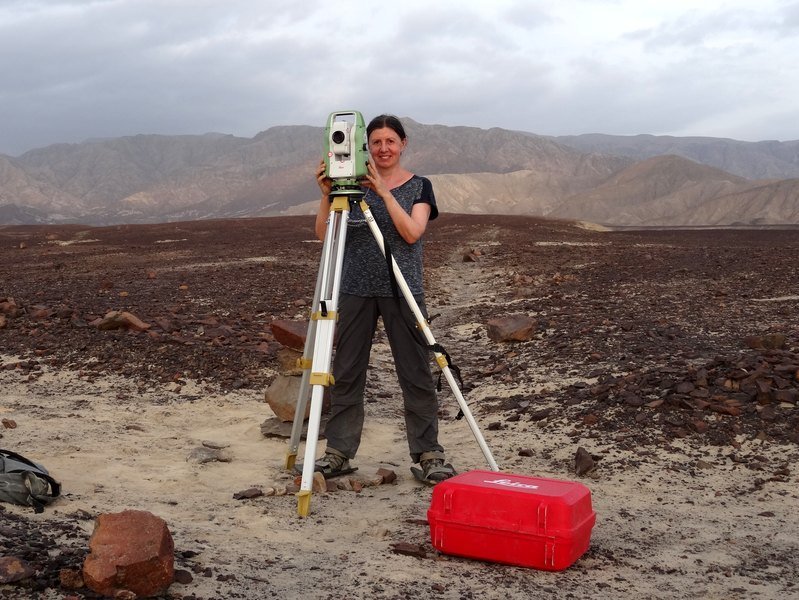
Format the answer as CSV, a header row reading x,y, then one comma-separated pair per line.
x,y
374,182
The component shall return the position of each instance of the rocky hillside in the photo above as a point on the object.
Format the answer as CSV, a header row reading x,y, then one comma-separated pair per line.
x,y
605,179
753,160
668,190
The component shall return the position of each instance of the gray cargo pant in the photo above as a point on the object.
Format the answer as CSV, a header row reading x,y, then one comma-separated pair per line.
x,y
357,323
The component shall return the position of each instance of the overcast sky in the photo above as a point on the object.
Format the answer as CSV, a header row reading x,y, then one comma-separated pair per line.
x,y
72,70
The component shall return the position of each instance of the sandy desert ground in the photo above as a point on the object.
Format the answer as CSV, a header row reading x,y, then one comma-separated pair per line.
x,y
694,486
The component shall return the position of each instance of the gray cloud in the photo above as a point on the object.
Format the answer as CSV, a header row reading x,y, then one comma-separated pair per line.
x,y
75,70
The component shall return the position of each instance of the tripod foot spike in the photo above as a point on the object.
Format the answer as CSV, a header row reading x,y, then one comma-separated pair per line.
x,y
291,459
304,503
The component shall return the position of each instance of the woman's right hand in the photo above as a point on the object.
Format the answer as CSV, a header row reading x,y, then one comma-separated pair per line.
x,y
325,183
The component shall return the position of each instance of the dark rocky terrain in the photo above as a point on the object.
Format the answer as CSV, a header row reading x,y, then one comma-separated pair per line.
x,y
643,340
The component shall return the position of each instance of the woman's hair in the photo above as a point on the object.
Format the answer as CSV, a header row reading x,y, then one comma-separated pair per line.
x,y
389,121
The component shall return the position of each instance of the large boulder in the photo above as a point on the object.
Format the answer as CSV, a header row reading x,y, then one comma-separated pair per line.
x,y
131,550
290,333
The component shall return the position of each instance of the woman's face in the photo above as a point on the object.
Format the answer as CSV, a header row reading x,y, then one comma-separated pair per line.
x,y
385,146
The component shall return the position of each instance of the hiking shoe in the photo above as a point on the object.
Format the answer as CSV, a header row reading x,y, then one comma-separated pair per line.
x,y
332,465
435,469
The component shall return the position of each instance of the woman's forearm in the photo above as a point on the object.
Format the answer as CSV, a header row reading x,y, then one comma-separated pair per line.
x,y
321,217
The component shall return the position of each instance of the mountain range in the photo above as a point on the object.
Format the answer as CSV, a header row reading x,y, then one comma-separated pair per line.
x,y
617,181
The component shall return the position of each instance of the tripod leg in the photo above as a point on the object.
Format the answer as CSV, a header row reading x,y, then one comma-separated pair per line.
x,y
422,324
325,315
305,361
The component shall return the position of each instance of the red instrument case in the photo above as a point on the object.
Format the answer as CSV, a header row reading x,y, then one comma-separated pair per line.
x,y
513,519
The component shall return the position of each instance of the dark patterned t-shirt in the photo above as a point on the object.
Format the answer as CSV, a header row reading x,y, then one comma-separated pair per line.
x,y
365,272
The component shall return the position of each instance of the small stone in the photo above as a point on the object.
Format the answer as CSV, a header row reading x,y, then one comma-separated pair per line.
x,y
14,569
583,462
71,579
386,475
202,455
409,549
215,445
249,493
590,419
319,484
183,576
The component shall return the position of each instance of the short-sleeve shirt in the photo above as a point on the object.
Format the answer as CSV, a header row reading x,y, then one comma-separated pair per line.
x,y
365,271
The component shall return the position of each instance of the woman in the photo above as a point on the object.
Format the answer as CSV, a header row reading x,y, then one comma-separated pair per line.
x,y
401,203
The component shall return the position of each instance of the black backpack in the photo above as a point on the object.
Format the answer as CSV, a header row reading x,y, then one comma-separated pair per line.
x,y
25,482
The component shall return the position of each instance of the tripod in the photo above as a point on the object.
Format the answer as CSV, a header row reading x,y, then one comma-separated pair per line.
x,y
317,355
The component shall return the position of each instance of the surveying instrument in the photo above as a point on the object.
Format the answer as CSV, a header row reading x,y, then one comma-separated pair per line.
x,y
346,157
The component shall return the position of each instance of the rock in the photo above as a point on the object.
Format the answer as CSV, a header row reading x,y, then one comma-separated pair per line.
x,y
288,361
203,454
249,493
121,320
223,331
590,420
541,414
131,550
168,325
386,475
40,312
14,569
183,576
291,334
215,445
513,328
409,549
634,400
774,341
71,579
9,307
274,427
583,462
319,483
282,395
